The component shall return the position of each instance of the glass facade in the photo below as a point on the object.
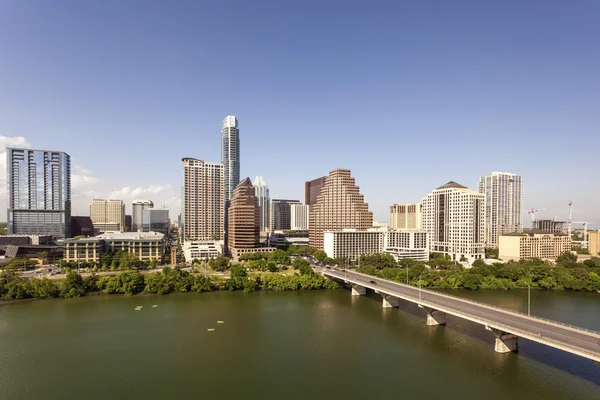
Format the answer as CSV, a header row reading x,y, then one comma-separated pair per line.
x,y
155,221
39,192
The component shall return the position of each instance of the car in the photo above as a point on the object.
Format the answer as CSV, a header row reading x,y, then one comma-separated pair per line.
x,y
373,282
327,267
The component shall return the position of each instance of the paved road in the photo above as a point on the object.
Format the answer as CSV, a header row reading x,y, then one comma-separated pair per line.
x,y
574,340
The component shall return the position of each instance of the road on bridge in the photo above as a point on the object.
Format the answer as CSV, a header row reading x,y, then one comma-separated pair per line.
x,y
572,339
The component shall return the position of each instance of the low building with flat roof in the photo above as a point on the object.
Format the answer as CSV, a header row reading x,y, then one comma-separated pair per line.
x,y
202,249
146,246
533,244
401,243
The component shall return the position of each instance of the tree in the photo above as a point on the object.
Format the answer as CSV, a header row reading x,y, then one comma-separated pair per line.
x,y
320,255
279,257
72,286
300,262
219,264
153,263
237,271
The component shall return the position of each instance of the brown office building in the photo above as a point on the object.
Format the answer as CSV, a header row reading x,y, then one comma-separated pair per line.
x,y
243,215
312,190
339,206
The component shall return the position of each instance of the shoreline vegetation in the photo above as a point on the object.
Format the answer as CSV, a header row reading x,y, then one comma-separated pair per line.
x,y
169,280
276,271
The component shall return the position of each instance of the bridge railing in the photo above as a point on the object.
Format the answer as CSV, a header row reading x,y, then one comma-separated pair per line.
x,y
484,304
508,328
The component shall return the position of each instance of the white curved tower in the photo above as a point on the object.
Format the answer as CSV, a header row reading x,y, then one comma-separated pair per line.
x,y
230,154
262,194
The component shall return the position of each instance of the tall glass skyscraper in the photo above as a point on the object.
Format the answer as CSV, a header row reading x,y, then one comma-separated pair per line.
x,y
39,192
230,154
262,194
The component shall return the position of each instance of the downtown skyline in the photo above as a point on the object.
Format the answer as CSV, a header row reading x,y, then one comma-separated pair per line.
x,y
456,114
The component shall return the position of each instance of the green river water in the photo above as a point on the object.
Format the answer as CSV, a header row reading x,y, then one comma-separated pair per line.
x,y
282,345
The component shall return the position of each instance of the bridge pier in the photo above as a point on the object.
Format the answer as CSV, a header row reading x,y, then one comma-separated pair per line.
x,y
358,290
505,342
434,317
389,301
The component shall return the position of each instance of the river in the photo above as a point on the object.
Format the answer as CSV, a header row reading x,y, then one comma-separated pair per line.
x,y
282,345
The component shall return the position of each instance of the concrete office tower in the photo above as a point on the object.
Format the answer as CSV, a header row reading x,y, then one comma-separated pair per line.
x,y
339,206
138,208
39,192
312,190
262,194
108,215
244,219
155,220
594,242
406,216
454,217
230,154
299,217
503,205
203,200
281,214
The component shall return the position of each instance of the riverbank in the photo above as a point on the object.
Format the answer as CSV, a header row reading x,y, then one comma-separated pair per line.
x,y
14,287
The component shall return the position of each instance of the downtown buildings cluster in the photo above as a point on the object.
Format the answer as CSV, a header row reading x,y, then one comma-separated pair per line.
x,y
222,214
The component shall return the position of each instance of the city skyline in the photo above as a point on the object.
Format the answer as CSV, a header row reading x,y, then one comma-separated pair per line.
x,y
506,99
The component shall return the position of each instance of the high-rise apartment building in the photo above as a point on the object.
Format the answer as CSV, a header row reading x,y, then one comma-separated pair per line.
x,y
312,190
261,191
454,218
203,200
299,217
503,205
244,219
281,214
339,206
138,207
39,192
108,215
406,216
230,154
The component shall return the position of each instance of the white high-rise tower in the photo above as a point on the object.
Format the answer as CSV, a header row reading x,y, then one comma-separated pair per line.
x,y
503,205
262,194
230,154
454,221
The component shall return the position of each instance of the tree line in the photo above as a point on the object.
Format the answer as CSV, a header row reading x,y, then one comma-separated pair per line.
x,y
169,280
566,274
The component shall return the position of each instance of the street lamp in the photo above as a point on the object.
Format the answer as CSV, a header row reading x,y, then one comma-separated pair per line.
x,y
407,274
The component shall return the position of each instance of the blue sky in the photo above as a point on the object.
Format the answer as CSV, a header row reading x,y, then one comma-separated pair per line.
x,y
408,95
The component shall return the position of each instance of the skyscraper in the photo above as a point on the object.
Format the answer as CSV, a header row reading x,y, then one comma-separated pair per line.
x,y
108,215
453,217
262,194
299,217
39,192
312,189
406,216
244,219
203,203
339,206
138,208
155,220
503,205
230,154
281,214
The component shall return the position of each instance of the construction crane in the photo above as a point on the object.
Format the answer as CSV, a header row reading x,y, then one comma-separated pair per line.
x,y
570,215
585,232
532,212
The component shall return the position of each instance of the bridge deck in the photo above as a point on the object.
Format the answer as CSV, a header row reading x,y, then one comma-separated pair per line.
x,y
575,340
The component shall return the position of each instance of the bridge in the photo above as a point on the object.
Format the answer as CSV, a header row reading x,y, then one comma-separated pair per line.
x,y
506,325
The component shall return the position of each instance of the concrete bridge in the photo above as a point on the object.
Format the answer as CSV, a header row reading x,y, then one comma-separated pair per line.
x,y
506,325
